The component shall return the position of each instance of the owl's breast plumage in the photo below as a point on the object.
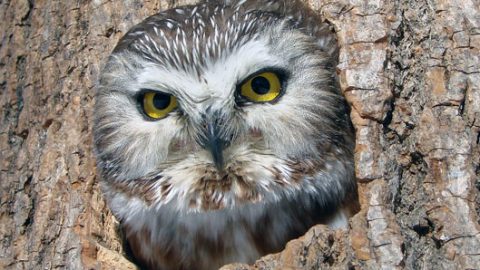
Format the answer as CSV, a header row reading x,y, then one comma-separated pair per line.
x,y
208,240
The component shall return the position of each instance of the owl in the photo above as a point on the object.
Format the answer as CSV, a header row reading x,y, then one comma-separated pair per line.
x,y
220,132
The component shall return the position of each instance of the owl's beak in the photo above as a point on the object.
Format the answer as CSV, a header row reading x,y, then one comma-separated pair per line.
x,y
213,141
215,145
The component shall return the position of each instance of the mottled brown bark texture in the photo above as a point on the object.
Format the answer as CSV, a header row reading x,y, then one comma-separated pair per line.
x,y
409,69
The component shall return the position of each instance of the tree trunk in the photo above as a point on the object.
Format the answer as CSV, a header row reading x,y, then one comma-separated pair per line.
x,y
409,69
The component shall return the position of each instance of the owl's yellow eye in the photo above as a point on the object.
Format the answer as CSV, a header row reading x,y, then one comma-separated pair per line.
x,y
263,87
157,105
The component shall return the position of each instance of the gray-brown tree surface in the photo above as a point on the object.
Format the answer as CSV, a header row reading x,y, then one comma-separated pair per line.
x,y
409,69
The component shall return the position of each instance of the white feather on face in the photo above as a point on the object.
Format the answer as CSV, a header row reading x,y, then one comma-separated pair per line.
x,y
288,161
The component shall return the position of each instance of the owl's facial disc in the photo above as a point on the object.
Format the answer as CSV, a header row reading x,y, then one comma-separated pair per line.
x,y
266,85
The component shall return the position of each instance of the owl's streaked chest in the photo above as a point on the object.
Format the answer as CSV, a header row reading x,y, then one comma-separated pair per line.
x,y
208,240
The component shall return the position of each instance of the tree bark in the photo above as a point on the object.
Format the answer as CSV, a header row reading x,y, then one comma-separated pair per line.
x,y
409,69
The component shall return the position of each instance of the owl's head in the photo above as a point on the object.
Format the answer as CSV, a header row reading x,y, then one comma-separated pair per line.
x,y
223,104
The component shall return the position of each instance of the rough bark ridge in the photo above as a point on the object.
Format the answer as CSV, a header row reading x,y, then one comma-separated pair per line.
x,y
410,70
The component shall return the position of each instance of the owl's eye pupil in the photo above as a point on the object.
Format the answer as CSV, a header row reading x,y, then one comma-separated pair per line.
x,y
260,85
161,101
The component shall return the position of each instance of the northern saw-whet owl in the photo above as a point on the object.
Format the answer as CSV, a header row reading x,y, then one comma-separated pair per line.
x,y
221,134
